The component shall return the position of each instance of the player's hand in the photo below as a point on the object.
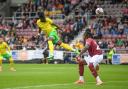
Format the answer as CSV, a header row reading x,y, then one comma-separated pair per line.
x,y
78,59
60,31
9,52
38,34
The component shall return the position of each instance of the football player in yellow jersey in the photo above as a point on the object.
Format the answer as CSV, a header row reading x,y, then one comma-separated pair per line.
x,y
5,53
46,25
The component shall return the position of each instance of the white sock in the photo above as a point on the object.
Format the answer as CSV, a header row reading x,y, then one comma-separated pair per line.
x,y
81,78
98,78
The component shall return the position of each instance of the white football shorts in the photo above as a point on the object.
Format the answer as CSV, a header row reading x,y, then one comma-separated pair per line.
x,y
95,59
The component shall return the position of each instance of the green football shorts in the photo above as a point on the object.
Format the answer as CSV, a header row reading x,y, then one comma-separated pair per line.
x,y
54,35
6,55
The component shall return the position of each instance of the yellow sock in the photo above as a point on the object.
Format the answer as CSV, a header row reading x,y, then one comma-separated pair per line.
x,y
51,46
11,62
66,46
0,62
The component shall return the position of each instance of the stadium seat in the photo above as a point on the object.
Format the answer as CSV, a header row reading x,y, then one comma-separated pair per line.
x,y
115,36
119,37
124,37
108,36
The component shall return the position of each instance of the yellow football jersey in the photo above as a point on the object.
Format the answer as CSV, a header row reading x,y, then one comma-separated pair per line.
x,y
4,47
46,27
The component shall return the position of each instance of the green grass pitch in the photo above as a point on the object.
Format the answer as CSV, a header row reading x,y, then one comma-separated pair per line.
x,y
61,76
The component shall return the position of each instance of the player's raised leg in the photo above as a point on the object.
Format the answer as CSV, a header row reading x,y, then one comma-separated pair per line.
x,y
54,39
68,47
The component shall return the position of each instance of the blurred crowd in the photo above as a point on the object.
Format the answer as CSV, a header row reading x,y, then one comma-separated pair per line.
x,y
21,31
111,31
50,7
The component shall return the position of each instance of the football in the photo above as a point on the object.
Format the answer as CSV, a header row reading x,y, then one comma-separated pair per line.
x,y
99,11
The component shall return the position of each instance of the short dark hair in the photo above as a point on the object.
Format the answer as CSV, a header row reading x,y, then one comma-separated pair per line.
x,y
88,33
41,14
1,36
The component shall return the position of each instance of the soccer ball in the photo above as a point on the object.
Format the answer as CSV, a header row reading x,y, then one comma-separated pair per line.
x,y
99,11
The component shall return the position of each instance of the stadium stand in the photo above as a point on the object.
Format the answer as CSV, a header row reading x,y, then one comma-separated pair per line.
x,y
112,26
21,28
72,17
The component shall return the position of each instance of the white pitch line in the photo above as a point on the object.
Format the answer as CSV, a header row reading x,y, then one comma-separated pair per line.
x,y
36,86
51,85
45,68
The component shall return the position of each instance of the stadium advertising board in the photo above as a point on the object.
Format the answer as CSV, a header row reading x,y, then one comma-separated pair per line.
x,y
38,54
23,55
30,54
58,55
116,59
120,59
15,54
33,54
124,58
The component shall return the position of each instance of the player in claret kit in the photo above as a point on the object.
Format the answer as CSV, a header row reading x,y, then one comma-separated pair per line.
x,y
94,58
5,53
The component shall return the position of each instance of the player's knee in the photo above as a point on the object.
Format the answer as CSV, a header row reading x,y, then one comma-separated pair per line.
x,y
59,42
0,60
50,42
91,66
11,60
50,39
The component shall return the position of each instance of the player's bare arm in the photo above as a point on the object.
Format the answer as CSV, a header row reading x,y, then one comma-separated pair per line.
x,y
8,48
56,26
78,58
39,30
59,29
84,50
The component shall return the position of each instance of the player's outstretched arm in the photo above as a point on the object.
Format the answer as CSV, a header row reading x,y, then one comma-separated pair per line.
x,y
84,50
56,26
39,31
78,58
7,46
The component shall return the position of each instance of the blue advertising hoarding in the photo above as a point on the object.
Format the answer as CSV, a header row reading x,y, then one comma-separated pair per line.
x,y
116,59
